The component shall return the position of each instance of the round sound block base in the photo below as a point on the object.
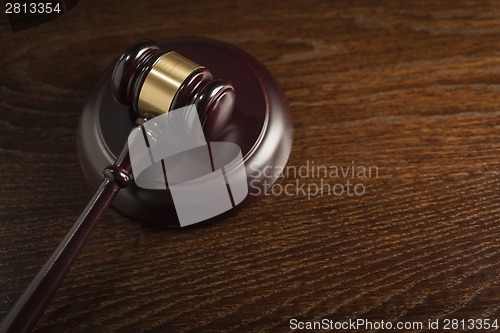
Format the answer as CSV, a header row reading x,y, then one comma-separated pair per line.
x,y
260,125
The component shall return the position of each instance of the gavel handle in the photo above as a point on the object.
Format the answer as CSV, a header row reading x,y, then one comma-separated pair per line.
x,y
28,309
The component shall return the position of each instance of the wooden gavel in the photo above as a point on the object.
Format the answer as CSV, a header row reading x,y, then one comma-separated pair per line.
x,y
151,83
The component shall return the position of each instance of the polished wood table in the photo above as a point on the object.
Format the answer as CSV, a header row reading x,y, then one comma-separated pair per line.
x,y
406,94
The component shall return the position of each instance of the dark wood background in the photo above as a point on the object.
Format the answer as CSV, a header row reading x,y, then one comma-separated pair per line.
x,y
409,87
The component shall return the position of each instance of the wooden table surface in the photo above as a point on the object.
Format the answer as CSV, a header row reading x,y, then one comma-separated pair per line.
x,y
409,89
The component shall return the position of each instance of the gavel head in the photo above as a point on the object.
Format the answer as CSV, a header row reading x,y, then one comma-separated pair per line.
x,y
153,82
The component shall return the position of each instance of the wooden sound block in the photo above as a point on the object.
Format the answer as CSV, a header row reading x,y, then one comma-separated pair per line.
x,y
260,125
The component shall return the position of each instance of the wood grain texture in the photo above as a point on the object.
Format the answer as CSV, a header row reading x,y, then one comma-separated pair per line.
x,y
409,87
